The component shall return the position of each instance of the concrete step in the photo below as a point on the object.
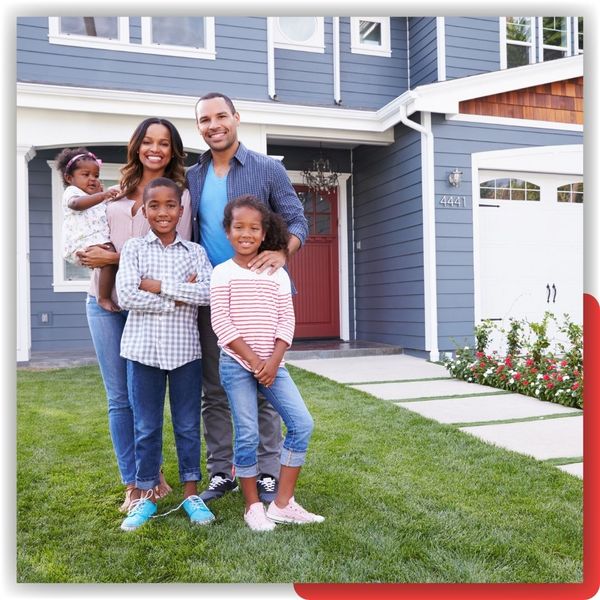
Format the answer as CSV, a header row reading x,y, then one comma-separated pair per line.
x,y
319,349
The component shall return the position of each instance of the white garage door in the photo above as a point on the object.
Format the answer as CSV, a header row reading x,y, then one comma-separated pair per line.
x,y
530,246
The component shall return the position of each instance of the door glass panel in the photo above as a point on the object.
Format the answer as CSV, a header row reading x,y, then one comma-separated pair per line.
x,y
323,204
322,224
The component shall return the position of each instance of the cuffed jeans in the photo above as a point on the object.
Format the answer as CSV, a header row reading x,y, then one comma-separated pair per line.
x,y
148,388
216,416
106,329
242,387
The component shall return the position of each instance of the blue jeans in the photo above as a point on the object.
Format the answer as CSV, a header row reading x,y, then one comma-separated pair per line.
x,y
106,329
148,388
242,389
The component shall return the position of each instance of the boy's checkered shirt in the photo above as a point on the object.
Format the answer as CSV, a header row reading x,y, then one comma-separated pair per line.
x,y
157,332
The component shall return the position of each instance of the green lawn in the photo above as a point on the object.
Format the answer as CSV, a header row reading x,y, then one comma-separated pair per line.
x,y
406,500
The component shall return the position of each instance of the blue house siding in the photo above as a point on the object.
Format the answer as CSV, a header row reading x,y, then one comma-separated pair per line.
x,y
373,81
388,226
306,77
422,50
472,46
240,69
454,226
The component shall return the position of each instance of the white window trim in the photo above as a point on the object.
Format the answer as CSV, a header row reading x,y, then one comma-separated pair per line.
x,y
541,46
357,47
59,283
208,52
85,41
504,41
315,44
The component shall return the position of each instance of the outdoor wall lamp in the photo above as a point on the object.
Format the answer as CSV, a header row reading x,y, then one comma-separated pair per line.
x,y
455,177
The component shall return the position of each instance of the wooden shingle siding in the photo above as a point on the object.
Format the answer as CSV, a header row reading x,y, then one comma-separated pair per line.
x,y
454,226
422,50
472,46
388,225
561,101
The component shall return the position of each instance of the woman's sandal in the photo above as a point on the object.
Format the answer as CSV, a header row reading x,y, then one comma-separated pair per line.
x,y
127,502
163,488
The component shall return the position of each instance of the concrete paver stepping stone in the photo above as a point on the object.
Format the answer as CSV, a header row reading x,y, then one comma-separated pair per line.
x,y
359,369
552,438
423,389
574,468
485,408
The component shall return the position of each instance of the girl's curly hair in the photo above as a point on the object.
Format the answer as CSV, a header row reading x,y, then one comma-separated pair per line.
x,y
276,231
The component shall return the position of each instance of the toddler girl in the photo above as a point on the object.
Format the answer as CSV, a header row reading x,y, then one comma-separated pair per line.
x,y
253,317
85,221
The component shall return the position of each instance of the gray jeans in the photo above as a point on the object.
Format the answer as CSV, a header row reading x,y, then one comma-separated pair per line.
x,y
216,417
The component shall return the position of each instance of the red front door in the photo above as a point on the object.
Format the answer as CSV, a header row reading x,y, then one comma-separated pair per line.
x,y
315,268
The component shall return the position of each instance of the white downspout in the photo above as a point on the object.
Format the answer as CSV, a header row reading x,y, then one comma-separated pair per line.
x,y
337,93
270,60
429,241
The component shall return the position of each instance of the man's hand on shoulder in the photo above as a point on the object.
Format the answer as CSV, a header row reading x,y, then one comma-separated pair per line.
x,y
269,260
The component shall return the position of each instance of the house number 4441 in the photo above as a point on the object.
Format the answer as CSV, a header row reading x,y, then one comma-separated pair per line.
x,y
452,201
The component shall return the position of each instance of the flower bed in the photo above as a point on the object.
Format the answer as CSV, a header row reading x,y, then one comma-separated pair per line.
x,y
532,371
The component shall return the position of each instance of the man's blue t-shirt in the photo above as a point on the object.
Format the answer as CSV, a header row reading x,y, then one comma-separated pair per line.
x,y
210,214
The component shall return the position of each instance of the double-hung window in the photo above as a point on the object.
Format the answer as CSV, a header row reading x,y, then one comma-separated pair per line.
x,y
527,40
554,37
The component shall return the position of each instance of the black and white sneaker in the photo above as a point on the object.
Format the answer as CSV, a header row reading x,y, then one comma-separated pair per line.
x,y
267,488
219,485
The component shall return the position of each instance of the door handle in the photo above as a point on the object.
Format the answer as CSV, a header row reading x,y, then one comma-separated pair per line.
x,y
548,296
554,297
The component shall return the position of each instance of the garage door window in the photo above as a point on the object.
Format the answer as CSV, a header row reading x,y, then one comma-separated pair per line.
x,y
509,189
572,192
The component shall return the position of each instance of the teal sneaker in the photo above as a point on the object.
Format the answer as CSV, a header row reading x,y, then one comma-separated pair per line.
x,y
140,511
198,511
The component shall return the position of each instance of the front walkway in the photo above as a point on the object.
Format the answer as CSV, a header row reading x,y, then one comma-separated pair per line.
x,y
544,430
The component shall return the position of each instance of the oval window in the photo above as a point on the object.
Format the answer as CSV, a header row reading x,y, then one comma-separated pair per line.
x,y
298,29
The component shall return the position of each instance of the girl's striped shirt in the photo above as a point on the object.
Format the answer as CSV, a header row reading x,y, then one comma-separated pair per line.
x,y
256,307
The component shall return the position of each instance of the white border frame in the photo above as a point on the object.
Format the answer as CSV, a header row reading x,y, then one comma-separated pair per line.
x,y
88,41
357,47
315,44
59,283
148,46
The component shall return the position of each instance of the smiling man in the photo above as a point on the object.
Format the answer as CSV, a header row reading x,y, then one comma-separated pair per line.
x,y
225,171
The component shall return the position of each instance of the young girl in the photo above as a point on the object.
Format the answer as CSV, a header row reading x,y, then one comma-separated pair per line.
x,y
85,222
253,317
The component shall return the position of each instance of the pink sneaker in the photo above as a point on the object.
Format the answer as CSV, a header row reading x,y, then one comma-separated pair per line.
x,y
256,518
292,513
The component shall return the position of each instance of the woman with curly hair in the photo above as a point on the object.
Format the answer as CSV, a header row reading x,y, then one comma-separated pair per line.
x,y
154,150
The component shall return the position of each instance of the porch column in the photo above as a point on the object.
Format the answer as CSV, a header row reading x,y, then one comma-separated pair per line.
x,y
24,155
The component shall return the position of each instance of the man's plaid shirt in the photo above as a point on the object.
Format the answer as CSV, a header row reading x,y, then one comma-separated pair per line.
x,y
159,333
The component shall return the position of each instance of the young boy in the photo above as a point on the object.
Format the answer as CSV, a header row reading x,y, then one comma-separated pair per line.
x,y
161,281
